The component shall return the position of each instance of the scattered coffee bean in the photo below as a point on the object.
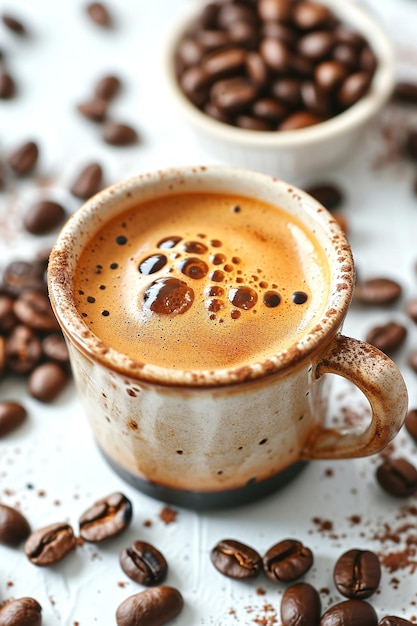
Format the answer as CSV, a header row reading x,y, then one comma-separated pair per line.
x,y
287,560
8,318
411,309
377,291
412,360
21,612
47,381
350,613
143,563
33,309
397,477
300,606
94,109
330,196
152,607
43,217
50,544
24,158
357,574
21,275
7,85
406,92
410,424
392,620
117,134
236,560
107,518
54,347
107,87
14,527
88,181
12,415
410,146
13,24
23,349
387,337
99,13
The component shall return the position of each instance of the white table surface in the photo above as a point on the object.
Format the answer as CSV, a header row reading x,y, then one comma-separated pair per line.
x,y
50,467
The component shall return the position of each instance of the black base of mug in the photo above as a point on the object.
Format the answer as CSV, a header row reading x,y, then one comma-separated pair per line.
x,y
206,500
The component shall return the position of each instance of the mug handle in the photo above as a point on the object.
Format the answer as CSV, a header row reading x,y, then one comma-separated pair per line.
x,y
375,374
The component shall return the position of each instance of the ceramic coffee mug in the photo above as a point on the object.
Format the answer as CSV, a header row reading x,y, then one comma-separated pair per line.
x,y
202,307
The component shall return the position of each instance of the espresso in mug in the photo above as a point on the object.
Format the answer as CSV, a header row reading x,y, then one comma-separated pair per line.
x,y
202,281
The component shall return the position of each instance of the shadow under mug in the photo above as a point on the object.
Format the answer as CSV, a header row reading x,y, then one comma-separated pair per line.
x,y
223,437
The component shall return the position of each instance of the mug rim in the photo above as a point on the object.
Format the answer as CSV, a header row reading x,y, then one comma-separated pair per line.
x,y
119,197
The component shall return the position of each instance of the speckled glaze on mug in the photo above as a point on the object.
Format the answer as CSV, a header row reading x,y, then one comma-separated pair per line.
x,y
226,436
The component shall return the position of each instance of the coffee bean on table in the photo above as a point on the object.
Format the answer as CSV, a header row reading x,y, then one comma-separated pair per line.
x,y
392,620
152,607
21,275
13,24
357,574
14,527
8,318
46,381
12,415
23,349
107,87
88,181
7,85
99,13
24,158
43,216
410,423
397,477
377,291
412,360
350,613
107,518
236,560
33,308
300,606
411,309
287,560
54,347
94,109
143,563
387,337
117,134
50,544
21,612
329,195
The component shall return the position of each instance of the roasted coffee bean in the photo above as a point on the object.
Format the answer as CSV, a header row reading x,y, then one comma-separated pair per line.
x,y
236,560
357,574
47,381
7,85
107,518
21,275
33,309
99,13
353,88
350,613
327,194
411,309
13,24
377,291
410,146
412,360
233,94
143,563
14,527
287,560
392,620
24,158
21,612
152,607
299,119
23,349
410,423
387,337
2,355
300,606
50,544
8,318
309,15
107,87
274,10
398,477
117,134
94,109
12,415
406,92
88,181
43,216
54,347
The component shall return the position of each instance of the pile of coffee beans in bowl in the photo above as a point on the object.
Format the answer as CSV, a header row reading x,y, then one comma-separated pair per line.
x,y
268,65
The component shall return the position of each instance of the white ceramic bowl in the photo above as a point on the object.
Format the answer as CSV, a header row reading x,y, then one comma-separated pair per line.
x,y
294,154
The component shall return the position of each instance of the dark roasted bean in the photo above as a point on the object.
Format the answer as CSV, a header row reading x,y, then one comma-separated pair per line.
x,y
94,109
398,477
23,349
329,195
411,309
357,574
299,119
353,88
287,560
377,291
13,24
14,527
12,415
43,216
54,347
99,13
143,563
117,134
309,15
300,606
410,423
152,607
7,85
107,518
46,381
2,355
236,560
24,158
350,613
8,318
88,181
107,87
233,94
329,75
33,309
275,10
21,612
392,620
275,54
316,45
406,92
50,544
21,275
387,337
